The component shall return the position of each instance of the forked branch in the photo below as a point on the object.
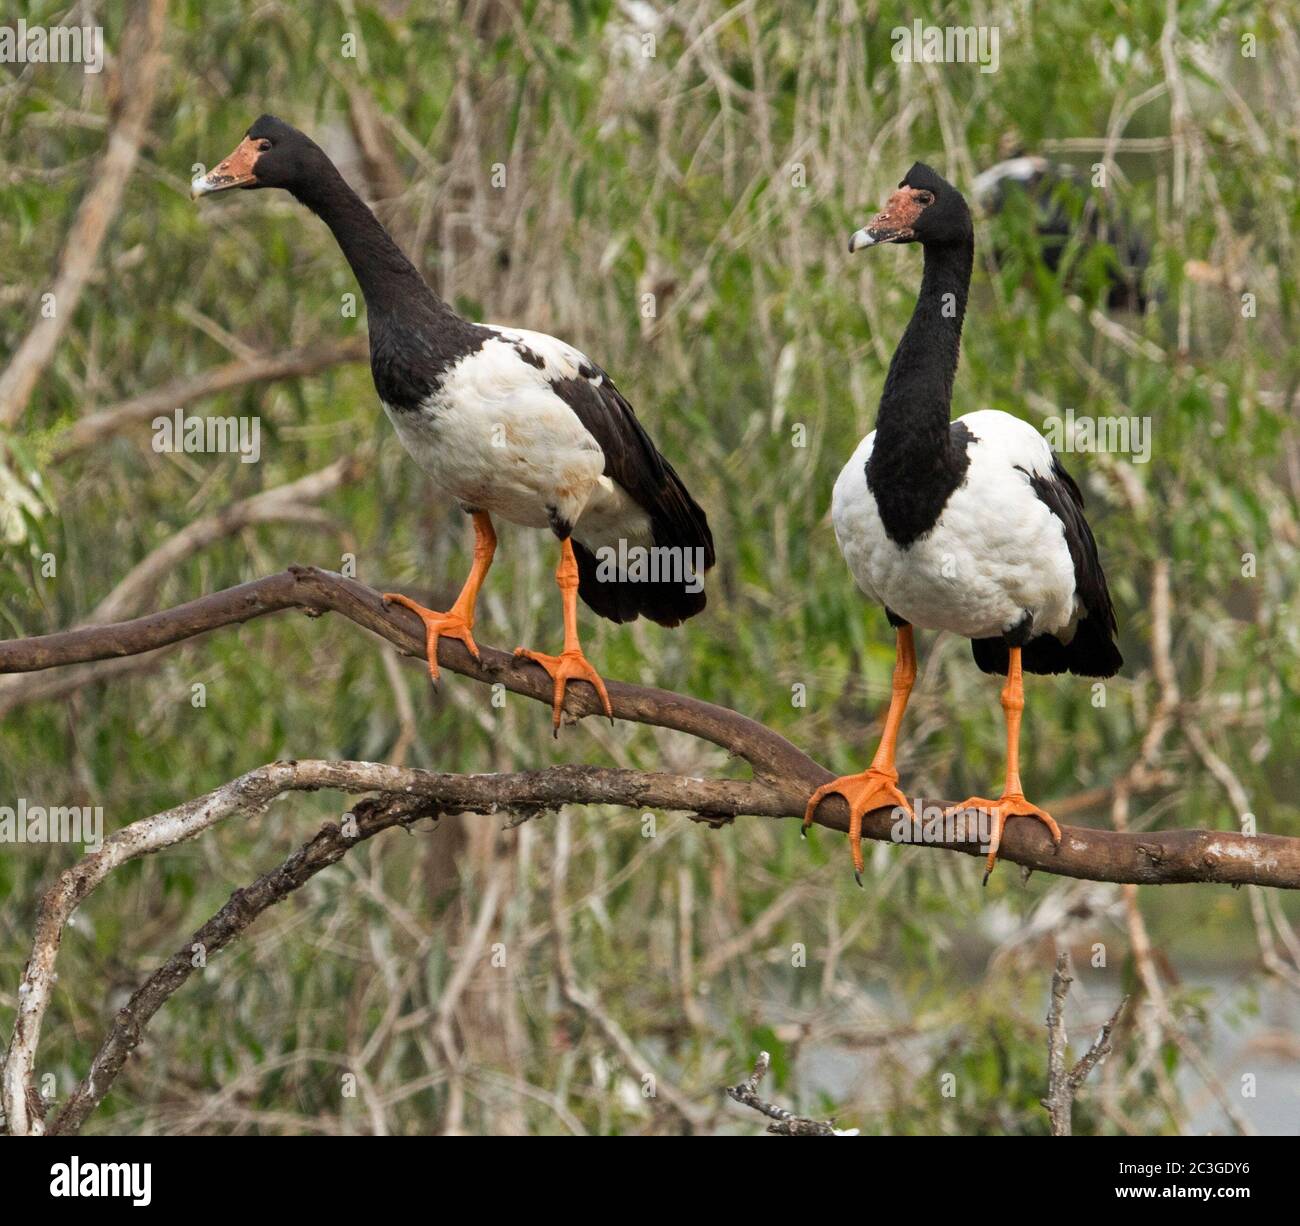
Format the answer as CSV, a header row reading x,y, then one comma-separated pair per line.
x,y
783,778
1063,1081
785,1123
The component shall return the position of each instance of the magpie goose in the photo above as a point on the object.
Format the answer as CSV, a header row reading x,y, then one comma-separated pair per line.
x,y
509,422
1041,182
970,526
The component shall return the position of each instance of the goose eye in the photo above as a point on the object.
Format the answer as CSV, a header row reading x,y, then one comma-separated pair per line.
x,y
925,197
263,145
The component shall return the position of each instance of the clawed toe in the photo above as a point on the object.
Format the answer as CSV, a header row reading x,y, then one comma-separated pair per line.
x,y
1010,804
872,789
451,625
568,666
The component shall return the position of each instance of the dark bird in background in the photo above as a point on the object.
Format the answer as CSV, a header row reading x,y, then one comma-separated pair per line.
x,y
1050,188
510,423
970,526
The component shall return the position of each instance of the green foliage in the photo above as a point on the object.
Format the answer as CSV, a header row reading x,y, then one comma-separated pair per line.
x,y
672,175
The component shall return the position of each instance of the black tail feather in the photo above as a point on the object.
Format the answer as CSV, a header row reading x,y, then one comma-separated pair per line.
x,y
1090,653
681,529
669,604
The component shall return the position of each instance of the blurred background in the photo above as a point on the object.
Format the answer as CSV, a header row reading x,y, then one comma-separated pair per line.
x,y
671,188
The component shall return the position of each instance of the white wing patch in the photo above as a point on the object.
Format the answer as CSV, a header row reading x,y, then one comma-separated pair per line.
x,y
560,359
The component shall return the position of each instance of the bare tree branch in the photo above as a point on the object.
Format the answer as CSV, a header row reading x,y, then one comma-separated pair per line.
x,y
528,793
787,1123
102,423
244,906
1062,1083
787,774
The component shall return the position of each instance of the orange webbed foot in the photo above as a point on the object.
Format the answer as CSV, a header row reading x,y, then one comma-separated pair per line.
x,y
872,789
567,666
437,625
1009,804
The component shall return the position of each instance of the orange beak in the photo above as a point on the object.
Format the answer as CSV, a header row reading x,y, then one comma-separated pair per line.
x,y
234,171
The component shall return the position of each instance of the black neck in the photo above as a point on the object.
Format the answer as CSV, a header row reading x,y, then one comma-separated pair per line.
x,y
917,398
389,281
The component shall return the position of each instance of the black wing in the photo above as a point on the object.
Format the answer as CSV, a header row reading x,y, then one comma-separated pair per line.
x,y
1065,500
634,464
1092,651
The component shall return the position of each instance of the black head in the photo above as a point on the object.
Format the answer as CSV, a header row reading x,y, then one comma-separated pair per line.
x,y
272,154
925,209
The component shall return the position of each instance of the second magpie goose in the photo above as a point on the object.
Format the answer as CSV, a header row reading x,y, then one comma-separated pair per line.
x,y
970,526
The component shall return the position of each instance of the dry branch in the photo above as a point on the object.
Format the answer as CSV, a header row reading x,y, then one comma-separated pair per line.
x,y
527,793
786,774
1063,1083
786,1124
244,906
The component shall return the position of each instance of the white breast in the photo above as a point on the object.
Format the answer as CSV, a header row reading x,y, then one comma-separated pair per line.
x,y
497,437
995,553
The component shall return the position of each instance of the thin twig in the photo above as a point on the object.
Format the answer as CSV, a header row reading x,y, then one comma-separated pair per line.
x,y
1063,1084
787,1123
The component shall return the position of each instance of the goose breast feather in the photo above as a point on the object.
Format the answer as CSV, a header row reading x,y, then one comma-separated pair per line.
x,y
996,552
495,432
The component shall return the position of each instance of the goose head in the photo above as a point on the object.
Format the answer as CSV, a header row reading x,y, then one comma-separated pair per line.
x,y
925,209
272,154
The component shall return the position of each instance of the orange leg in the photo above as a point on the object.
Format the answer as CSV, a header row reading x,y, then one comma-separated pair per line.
x,y
458,622
877,786
1012,802
570,664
